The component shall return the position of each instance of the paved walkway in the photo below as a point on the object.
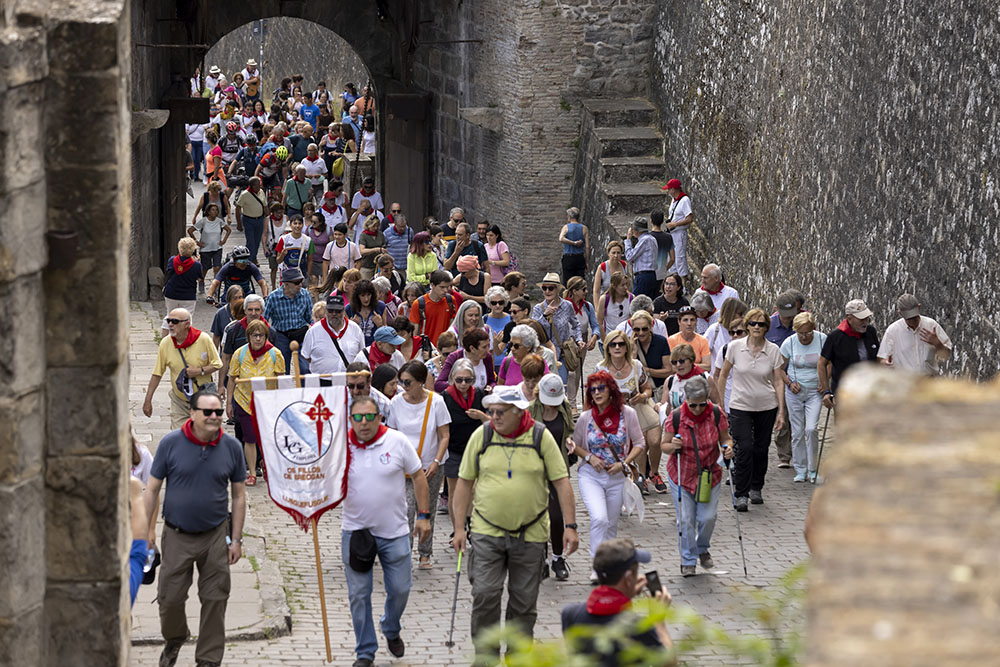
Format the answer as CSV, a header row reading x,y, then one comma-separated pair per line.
x,y
772,535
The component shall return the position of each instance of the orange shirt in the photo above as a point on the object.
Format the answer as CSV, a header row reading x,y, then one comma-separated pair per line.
x,y
700,344
437,316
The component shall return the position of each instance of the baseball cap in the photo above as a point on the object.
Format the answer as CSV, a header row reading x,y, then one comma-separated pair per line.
x,y
506,396
615,556
551,390
907,306
858,309
335,302
388,335
291,275
788,305
672,184
330,194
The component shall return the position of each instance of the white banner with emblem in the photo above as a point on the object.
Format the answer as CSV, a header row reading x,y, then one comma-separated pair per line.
x,y
303,436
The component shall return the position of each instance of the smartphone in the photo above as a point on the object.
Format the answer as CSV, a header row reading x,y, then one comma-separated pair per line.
x,y
653,582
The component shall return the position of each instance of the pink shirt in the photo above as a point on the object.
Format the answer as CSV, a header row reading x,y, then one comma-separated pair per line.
x,y
495,254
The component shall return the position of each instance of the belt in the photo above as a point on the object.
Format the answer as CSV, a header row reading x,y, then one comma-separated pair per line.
x,y
646,271
189,532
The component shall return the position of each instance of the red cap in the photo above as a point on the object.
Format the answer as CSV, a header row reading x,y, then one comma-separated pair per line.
x,y
672,184
329,195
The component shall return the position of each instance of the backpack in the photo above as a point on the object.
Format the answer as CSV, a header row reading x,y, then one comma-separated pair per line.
x,y
538,431
422,306
675,418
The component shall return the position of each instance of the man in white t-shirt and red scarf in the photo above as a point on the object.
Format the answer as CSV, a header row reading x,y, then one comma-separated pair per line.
x,y
679,216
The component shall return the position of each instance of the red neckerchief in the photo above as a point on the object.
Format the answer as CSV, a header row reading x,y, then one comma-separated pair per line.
x,y
392,220
709,316
182,265
523,426
331,210
376,357
578,309
369,232
367,193
607,420
464,403
189,434
297,179
353,439
694,371
259,353
331,332
248,115
243,322
607,601
846,328
417,341
690,416
192,336
279,217
682,194
722,286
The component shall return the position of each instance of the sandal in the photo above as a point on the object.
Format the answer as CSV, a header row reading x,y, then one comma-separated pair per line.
x,y
425,563
251,480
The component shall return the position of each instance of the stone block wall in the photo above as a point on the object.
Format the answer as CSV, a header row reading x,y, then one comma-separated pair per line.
x,y
842,148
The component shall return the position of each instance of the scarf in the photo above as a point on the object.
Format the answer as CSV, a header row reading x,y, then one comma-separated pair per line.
x,y
353,439
188,432
680,195
607,601
367,193
255,355
330,331
277,218
182,265
417,344
697,419
299,180
608,420
722,286
846,328
244,323
192,336
376,357
369,232
525,424
464,403
694,371
578,309
331,210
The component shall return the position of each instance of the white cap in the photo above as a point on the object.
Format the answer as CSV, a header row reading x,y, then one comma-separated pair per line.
x,y
551,390
506,395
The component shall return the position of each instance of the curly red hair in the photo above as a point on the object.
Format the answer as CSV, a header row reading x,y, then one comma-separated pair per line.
x,y
604,377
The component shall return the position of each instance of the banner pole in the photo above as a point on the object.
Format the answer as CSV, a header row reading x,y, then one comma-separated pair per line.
x,y
319,577
294,347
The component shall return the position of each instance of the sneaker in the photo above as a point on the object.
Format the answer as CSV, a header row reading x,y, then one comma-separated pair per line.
x,y
741,504
688,570
396,646
593,578
812,476
560,568
640,481
799,477
706,561
755,497
784,464
443,506
168,658
658,483
364,662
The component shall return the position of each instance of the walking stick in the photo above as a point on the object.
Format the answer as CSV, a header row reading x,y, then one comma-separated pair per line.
x,y
322,594
819,457
739,531
680,537
454,601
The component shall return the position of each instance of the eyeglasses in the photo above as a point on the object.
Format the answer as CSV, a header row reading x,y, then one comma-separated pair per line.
x,y
174,320
548,288
737,332
496,303
464,380
640,329
617,343
458,219
496,412
258,335
408,382
757,324
368,416
697,405
396,210
357,387
515,311
516,346
597,388
680,361
208,412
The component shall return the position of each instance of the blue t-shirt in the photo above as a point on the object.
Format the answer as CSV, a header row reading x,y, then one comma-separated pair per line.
x,y
182,286
658,348
230,274
222,317
802,359
136,561
197,478
310,114
778,333
497,324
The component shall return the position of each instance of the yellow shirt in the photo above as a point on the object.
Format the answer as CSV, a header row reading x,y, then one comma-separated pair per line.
x,y
242,365
418,268
200,353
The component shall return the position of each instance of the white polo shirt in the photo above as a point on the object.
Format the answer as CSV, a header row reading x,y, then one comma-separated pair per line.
x,y
376,486
318,347
906,348
408,418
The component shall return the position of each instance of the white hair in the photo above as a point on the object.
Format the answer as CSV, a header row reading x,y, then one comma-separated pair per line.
x,y
641,302
526,334
454,211
461,365
713,269
382,284
253,298
497,291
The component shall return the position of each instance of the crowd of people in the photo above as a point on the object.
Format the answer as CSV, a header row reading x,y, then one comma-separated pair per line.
x,y
476,389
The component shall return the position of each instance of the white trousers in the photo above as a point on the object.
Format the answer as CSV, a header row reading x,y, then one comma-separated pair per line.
x,y
602,496
680,237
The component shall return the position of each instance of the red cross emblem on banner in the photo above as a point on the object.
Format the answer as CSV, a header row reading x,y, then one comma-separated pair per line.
x,y
319,413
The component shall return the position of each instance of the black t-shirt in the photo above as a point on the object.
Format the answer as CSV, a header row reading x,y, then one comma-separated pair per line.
x,y
462,425
577,614
658,348
661,305
664,244
843,351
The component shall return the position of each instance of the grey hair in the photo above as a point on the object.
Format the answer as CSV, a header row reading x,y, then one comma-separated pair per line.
x,y
455,210
310,146
573,213
461,365
701,301
696,389
253,298
526,334
382,284
641,302
497,291
714,269
255,181
468,229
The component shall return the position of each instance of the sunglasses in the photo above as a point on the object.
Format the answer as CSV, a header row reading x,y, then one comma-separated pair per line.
x,y
174,320
357,387
737,332
597,388
516,346
640,329
408,382
515,311
617,343
548,288
396,210
496,303
496,412
208,412
697,405
757,324
680,361
464,380
294,282
368,417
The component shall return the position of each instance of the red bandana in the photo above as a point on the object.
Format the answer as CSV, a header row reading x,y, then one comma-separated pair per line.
x,y
578,309
367,193
255,355
300,180
182,265
369,232
376,357
525,424
846,328
331,331
189,434
189,341
697,419
353,439
713,293
464,403
607,420
681,193
607,601
417,340
694,371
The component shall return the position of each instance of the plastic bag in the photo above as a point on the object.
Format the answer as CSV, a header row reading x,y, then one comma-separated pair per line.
x,y
632,502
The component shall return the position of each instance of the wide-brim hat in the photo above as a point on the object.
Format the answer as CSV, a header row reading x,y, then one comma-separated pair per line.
x,y
214,69
550,279
251,63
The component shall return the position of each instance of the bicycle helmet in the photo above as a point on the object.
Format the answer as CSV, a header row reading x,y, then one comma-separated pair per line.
x,y
281,153
240,252
251,138
232,126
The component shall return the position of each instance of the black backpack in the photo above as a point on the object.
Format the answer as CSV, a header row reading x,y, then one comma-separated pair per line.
x,y
538,431
422,307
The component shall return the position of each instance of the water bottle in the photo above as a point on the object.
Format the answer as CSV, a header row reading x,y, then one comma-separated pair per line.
x,y
150,556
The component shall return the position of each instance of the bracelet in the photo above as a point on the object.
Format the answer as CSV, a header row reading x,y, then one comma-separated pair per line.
x,y
569,525
438,462
423,516
827,392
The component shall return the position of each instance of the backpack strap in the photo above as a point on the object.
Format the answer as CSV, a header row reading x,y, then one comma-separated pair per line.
x,y
538,432
241,355
675,418
451,305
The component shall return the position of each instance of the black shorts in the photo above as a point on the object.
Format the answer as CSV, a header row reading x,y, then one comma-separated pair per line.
x,y
211,258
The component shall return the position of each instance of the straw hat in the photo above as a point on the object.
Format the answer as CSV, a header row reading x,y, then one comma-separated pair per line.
x,y
550,279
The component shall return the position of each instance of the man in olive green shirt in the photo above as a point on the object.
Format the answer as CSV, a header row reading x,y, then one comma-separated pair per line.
x,y
510,523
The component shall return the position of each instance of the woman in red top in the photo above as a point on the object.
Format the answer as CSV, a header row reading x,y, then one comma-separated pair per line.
x,y
213,159
703,428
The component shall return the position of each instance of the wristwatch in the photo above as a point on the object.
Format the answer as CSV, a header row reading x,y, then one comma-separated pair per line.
x,y
569,525
586,459
423,516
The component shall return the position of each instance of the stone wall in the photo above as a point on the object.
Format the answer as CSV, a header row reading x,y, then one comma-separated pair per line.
x,y
846,149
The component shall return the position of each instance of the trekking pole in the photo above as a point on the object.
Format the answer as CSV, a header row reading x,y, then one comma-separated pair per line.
x,y
822,442
739,531
680,537
454,601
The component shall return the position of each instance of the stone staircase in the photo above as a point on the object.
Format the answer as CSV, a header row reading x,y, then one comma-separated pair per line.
x,y
619,169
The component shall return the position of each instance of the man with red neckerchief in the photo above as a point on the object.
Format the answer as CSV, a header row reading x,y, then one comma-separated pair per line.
x,y
374,522
185,351
678,218
200,463
717,291
331,344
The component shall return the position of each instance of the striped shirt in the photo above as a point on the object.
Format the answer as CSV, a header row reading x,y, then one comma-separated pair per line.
x,y
643,253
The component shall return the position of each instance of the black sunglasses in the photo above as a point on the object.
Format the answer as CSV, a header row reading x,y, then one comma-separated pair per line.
x,y
697,405
357,387
737,332
496,303
369,417
617,343
640,329
294,282
396,210
174,320
408,382
678,362
757,324
464,380
597,388
516,346
548,288
208,412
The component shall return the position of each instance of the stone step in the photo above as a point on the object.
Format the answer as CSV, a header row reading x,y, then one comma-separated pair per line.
x,y
634,198
620,222
621,113
629,141
632,169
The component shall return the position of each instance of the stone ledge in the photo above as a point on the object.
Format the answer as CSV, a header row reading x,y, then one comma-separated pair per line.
x,y
490,118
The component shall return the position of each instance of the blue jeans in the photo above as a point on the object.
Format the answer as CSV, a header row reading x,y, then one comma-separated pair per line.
x,y
198,157
803,417
697,521
283,343
254,230
645,283
394,556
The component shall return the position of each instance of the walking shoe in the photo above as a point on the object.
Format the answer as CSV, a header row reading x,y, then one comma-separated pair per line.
x,y
593,578
364,662
170,650
688,570
640,481
396,646
799,477
741,504
784,464
658,483
706,561
755,497
545,570
560,568
812,476
443,506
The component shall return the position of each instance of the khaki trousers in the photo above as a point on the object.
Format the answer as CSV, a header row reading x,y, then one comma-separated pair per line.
x,y
180,411
783,440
